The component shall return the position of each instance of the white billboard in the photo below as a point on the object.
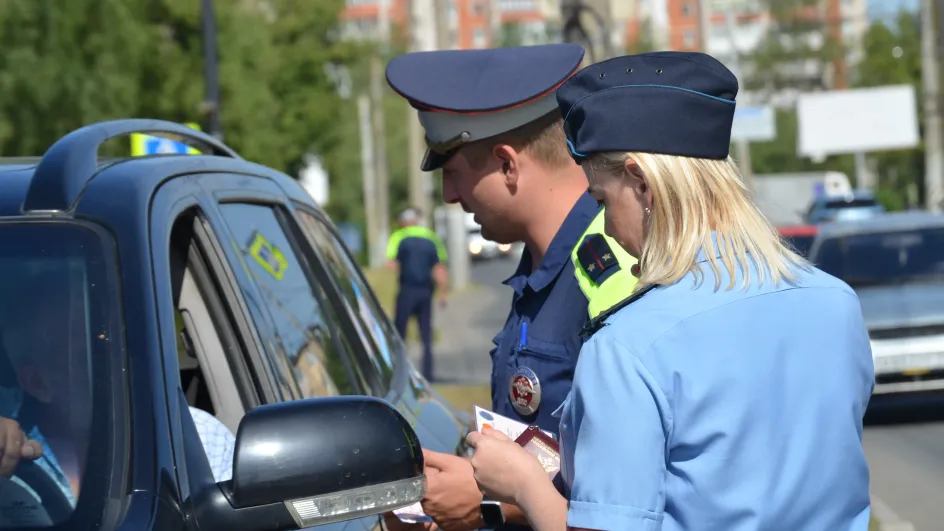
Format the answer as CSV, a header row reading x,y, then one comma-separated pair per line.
x,y
857,121
754,124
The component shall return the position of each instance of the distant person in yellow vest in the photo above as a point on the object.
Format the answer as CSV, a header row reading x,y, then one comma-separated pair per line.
x,y
420,256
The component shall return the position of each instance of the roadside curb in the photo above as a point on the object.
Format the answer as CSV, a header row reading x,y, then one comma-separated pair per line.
x,y
886,518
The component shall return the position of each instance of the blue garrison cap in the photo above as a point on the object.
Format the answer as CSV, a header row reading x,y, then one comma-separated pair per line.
x,y
674,103
467,95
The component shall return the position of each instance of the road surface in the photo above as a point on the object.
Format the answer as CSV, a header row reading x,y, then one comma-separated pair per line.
x,y
904,443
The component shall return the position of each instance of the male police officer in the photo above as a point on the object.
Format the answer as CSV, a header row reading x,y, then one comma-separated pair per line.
x,y
493,126
420,256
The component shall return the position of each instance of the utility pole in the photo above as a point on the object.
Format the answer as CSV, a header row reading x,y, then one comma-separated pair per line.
x,y
742,146
456,235
375,258
704,24
933,157
418,179
380,150
378,122
211,70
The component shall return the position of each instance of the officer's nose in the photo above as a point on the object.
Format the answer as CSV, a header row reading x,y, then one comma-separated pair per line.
x,y
450,192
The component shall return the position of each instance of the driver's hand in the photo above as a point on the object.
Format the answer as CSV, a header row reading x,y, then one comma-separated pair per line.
x,y
15,446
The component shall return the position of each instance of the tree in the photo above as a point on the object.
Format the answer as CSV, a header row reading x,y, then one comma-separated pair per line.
x,y
802,50
510,34
892,56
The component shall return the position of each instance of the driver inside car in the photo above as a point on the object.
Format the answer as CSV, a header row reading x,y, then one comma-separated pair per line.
x,y
47,420
44,332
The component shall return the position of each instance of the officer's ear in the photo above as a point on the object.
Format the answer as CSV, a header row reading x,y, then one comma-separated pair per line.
x,y
638,181
509,163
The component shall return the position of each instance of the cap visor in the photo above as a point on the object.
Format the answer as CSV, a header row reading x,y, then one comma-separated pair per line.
x,y
433,161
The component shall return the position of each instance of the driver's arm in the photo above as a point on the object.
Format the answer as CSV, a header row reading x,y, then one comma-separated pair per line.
x,y
14,446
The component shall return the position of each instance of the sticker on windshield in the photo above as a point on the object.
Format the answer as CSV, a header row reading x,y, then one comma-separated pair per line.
x,y
268,256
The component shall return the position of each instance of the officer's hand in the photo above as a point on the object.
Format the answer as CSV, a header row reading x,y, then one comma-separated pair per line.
x,y
452,497
15,446
392,523
443,300
502,468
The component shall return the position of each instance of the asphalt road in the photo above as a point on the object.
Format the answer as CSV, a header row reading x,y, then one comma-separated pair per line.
x,y
904,443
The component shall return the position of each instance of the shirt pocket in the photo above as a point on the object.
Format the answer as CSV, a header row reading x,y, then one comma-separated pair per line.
x,y
553,363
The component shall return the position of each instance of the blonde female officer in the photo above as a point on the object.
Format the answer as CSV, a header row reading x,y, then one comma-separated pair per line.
x,y
728,392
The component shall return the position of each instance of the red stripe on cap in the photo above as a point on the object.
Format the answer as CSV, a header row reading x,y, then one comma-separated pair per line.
x,y
422,107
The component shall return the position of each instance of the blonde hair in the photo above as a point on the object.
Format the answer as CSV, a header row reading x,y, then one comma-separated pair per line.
x,y
691,198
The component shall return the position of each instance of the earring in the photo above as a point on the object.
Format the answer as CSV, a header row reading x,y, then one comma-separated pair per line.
x,y
647,211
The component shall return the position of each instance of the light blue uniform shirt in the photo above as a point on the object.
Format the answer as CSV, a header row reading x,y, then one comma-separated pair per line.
x,y
728,410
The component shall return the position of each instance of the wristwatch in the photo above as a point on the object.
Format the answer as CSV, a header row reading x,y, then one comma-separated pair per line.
x,y
492,514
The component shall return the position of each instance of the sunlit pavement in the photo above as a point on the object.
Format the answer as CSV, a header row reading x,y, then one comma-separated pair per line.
x,y
904,443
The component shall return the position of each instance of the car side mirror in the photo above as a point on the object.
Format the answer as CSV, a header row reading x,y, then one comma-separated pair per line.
x,y
312,462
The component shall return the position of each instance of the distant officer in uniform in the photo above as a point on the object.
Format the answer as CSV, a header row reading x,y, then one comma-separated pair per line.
x,y
493,128
726,394
420,256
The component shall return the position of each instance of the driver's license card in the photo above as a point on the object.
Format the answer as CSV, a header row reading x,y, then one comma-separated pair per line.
x,y
511,428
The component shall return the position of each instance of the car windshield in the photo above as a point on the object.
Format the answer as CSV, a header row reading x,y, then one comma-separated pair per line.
x,y
54,321
884,257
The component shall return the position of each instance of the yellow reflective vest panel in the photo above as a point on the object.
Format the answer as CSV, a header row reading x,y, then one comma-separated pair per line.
x,y
602,268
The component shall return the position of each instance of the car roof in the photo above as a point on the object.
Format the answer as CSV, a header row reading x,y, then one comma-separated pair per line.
x,y
885,222
851,196
56,181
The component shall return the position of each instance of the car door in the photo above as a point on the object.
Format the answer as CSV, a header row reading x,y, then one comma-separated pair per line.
x,y
306,343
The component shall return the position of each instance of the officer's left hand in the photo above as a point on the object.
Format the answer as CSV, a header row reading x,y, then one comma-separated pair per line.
x,y
502,468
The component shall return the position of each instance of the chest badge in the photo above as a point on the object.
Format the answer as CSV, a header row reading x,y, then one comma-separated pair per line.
x,y
525,391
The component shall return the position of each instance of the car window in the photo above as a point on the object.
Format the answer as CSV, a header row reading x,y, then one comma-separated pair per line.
x,y
57,339
853,203
885,257
305,349
373,324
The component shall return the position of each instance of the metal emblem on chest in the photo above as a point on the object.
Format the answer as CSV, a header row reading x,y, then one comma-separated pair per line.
x,y
525,391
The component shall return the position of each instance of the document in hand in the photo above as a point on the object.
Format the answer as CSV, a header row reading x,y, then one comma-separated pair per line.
x,y
531,438
511,428
543,447
412,514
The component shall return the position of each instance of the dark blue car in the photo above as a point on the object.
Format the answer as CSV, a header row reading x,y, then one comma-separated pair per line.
x,y
136,289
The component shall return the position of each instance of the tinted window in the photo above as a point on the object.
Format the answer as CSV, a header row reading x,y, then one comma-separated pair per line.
x,y
376,331
888,257
56,341
855,203
305,350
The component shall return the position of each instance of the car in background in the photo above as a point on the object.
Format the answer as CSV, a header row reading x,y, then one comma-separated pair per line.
x,y
800,237
895,263
481,248
857,204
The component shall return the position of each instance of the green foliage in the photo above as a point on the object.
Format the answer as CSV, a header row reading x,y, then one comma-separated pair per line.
x,y
67,64
510,34
643,42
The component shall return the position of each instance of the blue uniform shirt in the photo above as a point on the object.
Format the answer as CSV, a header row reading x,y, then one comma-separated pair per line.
x,y
723,410
550,309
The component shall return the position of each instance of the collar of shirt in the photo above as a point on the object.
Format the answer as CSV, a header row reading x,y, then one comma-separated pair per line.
x,y
558,253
